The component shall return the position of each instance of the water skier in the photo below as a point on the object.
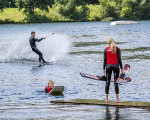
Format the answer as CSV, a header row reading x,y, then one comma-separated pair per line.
x,y
33,41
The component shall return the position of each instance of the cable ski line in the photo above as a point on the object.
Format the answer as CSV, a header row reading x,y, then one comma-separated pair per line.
x,y
66,27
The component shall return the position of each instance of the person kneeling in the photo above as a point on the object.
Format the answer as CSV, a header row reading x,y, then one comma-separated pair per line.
x,y
49,87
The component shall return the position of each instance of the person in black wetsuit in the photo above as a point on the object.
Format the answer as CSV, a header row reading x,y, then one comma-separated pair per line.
x,y
33,41
112,61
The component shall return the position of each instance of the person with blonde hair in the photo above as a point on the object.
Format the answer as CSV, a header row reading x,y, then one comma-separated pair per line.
x,y
49,87
112,61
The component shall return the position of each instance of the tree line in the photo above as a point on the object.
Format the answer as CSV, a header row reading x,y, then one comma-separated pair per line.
x,y
77,9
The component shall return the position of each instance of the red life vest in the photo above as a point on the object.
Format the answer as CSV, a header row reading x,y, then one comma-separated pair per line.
x,y
48,89
112,58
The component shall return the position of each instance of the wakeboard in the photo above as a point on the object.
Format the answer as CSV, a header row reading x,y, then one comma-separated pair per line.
x,y
57,91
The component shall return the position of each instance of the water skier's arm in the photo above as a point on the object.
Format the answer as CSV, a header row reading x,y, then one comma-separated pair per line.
x,y
38,40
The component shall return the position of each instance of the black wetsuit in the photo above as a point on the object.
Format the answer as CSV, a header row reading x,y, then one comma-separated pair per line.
x,y
109,69
33,41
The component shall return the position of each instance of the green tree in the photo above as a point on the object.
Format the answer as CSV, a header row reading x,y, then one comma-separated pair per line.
x,y
135,9
3,4
142,9
10,3
92,1
128,9
110,9
73,9
29,6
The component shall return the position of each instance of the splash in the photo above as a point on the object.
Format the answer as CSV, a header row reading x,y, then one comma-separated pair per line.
x,y
17,48
55,47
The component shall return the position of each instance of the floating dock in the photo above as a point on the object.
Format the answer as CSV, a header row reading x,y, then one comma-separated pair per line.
x,y
145,105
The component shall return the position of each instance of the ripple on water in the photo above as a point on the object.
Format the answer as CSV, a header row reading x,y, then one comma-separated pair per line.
x,y
86,44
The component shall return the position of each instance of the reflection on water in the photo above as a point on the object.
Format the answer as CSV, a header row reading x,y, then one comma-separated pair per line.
x,y
114,116
67,112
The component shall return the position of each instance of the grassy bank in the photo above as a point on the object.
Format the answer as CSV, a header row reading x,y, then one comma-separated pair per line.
x,y
13,15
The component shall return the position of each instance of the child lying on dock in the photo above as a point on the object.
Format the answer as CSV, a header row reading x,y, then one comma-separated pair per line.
x,y
49,87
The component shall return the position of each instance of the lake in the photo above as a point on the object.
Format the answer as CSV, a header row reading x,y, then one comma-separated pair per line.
x,y
77,48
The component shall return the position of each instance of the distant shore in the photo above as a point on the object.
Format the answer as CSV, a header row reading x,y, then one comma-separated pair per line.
x,y
14,16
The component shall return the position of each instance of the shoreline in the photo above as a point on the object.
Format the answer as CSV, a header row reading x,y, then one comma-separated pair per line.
x,y
14,16
16,23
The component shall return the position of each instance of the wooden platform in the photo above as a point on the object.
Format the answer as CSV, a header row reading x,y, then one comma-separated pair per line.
x,y
145,105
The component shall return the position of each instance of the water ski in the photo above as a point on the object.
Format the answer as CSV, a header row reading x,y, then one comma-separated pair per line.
x,y
47,63
94,77
121,79
57,91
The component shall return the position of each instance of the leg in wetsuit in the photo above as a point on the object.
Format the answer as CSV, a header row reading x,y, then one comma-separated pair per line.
x,y
39,53
109,69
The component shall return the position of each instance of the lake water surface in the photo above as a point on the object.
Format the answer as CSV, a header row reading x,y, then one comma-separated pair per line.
x,y
78,48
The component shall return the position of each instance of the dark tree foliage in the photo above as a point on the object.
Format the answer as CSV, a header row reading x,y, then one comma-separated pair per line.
x,y
3,4
135,9
109,8
70,9
10,3
7,4
126,9
30,5
76,2
92,1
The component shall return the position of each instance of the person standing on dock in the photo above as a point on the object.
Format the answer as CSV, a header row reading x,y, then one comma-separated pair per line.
x,y
33,41
112,61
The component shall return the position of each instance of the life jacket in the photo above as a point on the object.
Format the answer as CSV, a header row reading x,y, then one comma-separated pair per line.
x,y
48,89
112,58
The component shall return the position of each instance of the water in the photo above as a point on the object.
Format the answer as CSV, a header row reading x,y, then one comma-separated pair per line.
x,y
76,49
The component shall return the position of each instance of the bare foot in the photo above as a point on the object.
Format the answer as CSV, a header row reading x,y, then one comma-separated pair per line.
x,y
106,102
119,101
